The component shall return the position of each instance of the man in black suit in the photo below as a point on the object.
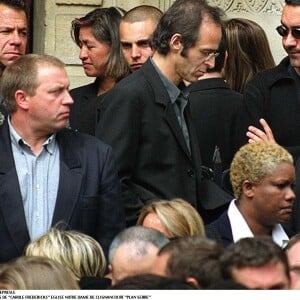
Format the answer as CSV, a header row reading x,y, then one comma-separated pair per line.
x,y
49,174
143,116
214,107
273,94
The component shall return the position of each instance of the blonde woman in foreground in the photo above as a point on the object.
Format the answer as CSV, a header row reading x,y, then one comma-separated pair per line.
x,y
78,252
36,273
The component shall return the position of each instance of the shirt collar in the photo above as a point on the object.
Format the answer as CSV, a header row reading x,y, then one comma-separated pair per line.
x,y
16,139
172,89
240,228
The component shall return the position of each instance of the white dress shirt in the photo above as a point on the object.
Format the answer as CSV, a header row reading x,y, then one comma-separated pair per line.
x,y
240,228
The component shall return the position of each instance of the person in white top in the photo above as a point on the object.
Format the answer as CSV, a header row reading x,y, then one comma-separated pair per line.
x,y
262,176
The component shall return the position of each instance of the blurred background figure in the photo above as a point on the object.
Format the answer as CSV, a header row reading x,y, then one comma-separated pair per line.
x,y
292,250
36,273
191,259
133,251
79,253
136,30
151,282
174,218
96,34
256,262
248,52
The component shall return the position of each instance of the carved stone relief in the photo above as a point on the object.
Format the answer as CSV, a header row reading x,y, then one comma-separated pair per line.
x,y
249,6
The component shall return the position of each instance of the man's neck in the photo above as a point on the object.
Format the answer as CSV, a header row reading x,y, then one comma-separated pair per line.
x,y
105,85
250,217
34,138
211,75
166,66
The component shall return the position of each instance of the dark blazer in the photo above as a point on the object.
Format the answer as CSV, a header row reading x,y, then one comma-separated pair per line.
x,y
88,198
138,120
214,107
273,94
84,109
220,230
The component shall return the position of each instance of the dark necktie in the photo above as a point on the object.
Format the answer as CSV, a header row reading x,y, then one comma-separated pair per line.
x,y
181,103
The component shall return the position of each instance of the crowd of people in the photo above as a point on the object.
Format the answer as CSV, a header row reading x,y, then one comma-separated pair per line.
x,y
177,168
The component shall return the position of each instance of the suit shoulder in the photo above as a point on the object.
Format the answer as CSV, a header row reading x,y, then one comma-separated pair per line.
x,y
129,89
132,82
74,138
82,89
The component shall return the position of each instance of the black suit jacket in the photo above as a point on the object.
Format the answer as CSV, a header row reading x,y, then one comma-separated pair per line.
x,y
88,198
214,107
138,120
220,230
83,112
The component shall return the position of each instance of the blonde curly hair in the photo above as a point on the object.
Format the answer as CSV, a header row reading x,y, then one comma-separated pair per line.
x,y
255,161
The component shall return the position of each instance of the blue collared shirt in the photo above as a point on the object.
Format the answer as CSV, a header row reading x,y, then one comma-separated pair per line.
x,y
38,180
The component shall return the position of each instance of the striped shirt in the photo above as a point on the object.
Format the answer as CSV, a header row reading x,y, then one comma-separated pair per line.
x,y
38,180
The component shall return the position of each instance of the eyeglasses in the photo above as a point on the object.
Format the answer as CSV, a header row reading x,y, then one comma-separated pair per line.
x,y
283,31
208,54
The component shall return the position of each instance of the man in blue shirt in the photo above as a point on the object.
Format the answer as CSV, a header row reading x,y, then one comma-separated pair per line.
x,y
49,174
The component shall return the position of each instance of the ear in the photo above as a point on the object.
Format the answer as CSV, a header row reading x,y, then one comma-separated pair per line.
x,y
109,274
176,42
193,281
21,99
247,189
110,268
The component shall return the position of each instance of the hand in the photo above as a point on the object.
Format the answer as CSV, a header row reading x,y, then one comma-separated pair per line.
x,y
255,135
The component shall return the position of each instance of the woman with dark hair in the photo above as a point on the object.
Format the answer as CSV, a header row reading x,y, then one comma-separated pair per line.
x,y
97,36
249,52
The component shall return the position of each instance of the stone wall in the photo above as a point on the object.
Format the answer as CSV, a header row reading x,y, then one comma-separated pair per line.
x,y
52,23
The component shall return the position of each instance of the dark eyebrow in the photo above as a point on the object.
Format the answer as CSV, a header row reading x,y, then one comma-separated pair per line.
x,y
146,41
125,43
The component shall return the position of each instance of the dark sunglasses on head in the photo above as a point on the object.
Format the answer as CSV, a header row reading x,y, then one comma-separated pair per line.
x,y
283,31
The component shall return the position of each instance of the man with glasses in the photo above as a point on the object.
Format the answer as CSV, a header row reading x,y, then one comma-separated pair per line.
x,y
144,117
275,94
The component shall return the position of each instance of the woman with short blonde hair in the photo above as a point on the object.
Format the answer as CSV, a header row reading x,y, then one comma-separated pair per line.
x,y
80,253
